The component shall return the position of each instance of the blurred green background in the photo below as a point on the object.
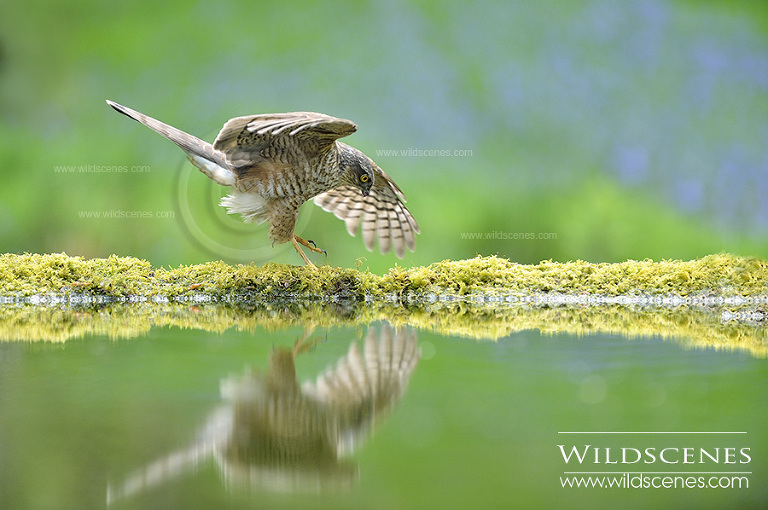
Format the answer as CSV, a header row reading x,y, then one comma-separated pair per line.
x,y
598,130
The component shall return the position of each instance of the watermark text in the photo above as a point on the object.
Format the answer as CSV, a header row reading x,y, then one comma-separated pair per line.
x,y
657,480
645,458
101,169
122,214
499,235
424,153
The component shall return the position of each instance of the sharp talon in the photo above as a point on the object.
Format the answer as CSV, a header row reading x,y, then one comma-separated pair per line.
x,y
308,243
324,252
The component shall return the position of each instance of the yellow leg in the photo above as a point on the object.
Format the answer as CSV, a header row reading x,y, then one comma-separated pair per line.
x,y
310,244
298,249
304,343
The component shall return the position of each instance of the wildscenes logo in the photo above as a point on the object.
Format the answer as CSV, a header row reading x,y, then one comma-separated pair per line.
x,y
668,455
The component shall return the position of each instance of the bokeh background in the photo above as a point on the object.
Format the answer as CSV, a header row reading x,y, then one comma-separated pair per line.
x,y
597,130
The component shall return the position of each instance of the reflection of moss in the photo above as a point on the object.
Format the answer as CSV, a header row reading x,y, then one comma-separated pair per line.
x,y
695,327
32,274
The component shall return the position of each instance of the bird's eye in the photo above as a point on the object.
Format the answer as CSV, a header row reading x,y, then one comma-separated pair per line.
x,y
364,178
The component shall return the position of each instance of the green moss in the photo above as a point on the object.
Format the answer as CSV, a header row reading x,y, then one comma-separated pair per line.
x,y
33,274
442,297
715,274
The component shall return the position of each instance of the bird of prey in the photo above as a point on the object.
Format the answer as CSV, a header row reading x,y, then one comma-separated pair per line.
x,y
275,433
275,162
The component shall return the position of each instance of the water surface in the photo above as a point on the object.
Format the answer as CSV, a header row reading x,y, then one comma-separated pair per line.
x,y
174,417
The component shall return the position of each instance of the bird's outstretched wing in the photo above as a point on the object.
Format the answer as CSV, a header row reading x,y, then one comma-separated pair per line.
x,y
382,213
256,129
362,387
260,146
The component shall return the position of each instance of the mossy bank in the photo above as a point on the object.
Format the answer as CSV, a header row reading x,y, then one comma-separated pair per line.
x,y
25,275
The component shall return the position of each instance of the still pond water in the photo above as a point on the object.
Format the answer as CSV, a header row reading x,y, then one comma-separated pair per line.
x,y
378,417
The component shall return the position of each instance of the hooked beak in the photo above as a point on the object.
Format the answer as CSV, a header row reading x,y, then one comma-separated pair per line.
x,y
365,193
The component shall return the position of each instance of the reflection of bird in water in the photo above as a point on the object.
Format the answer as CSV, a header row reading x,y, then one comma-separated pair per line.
x,y
278,435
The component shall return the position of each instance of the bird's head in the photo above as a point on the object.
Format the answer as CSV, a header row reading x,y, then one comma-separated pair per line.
x,y
357,169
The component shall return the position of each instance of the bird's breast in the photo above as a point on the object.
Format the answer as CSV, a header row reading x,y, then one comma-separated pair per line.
x,y
300,179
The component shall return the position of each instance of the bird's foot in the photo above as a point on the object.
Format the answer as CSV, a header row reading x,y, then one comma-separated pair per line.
x,y
311,245
295,240
315,249
305,343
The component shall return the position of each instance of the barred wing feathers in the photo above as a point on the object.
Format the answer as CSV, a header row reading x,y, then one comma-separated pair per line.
x,y
382,213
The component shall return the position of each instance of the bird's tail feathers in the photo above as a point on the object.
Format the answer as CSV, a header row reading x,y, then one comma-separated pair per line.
x,y
200,153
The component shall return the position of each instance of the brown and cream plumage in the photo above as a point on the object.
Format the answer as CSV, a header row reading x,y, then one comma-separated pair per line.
x,y
276,162
274,432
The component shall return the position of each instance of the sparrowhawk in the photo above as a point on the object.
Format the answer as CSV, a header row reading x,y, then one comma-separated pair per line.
x,y
277,161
